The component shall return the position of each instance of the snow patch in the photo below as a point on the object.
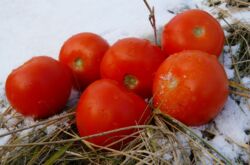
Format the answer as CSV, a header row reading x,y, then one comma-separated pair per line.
x,y
50,129
5,139
230,133
229,72
246,81
233,121
167,156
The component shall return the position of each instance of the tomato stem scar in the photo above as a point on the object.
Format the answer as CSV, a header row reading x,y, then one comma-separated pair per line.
x,y
130,81
78,63
198,31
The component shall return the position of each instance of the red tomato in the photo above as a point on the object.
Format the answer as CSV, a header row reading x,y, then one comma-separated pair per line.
x,y
193,30
83,54
106,105
133,63
39,88
191,86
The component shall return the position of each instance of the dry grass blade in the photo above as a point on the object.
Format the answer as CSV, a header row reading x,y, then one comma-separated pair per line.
x,y
191,134
146,149
50,121
239,36
57,155
238,86
246,95
238,3
80,138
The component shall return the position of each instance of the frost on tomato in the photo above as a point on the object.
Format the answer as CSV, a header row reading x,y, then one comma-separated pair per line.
x,y
106,105
39,88
191,86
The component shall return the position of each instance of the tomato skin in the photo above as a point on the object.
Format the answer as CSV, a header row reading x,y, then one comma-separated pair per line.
x,y
39,88
106,105
191,86
181,33
132,57
83,53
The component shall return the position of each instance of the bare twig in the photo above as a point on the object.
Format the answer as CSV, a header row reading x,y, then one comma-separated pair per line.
x,y
152,19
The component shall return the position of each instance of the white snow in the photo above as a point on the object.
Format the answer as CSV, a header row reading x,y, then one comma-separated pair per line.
x,y
224,147
10,120
50,129
167,156
226,59
246,81
31,28
233,121
229,72
3,100
40,27
4,140
234,49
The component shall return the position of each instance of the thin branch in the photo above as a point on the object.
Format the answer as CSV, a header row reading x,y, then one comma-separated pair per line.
x,y
152,19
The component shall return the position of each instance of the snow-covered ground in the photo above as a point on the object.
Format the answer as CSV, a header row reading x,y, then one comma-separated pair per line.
x,y
39,27
34,27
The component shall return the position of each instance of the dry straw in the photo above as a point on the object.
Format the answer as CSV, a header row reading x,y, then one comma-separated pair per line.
x,y
163,141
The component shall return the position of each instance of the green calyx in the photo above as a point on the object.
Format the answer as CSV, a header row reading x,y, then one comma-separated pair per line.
x,y
130,81
198,31
78,64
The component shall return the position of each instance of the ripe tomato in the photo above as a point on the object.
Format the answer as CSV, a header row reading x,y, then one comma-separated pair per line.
x,y
106,105
83,54
193,30
191,86
39,88
133,63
